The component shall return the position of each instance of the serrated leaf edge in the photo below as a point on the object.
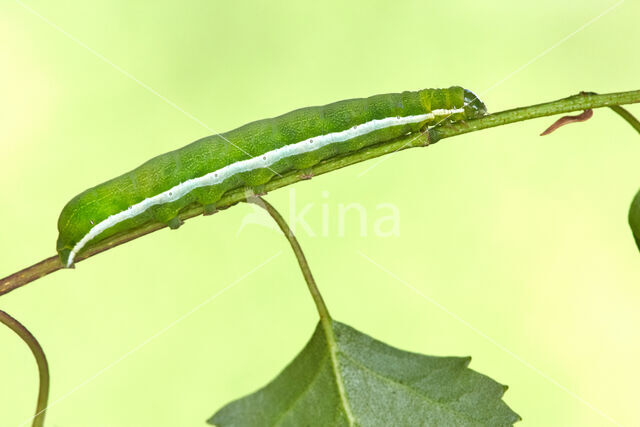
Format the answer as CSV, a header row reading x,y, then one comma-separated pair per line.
x,y
405,386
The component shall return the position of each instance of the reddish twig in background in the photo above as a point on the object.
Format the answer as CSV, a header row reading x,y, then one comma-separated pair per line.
x,y
582,117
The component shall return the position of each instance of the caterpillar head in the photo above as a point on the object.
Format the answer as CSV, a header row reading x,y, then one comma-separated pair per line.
x,y
473,106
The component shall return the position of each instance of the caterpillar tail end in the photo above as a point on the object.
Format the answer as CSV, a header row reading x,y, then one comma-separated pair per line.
x,y
70,264
67,257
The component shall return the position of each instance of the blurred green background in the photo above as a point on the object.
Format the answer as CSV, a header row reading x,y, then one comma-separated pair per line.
x,y
523,238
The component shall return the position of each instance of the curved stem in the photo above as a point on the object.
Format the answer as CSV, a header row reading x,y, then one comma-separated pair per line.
x,y
622,112
625,114
297,250
325,318
578,102
41,361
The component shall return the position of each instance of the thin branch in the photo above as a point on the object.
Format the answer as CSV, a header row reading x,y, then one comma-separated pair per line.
x,y
30,274
625,114
323,311
41,361
578,102
297,250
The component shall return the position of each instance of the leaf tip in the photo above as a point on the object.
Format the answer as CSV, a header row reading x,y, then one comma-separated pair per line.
x,y
214,420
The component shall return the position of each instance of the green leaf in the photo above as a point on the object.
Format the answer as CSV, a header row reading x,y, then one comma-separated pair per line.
x,y
381,386
634,218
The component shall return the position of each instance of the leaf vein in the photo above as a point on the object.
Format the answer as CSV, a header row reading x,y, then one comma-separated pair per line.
x,y
405,386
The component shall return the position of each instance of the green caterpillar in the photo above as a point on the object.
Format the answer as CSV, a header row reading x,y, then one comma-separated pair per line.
x,y
250,155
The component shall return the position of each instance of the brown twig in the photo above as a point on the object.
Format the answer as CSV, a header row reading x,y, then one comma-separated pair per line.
x,y
565,120
30,274
41,361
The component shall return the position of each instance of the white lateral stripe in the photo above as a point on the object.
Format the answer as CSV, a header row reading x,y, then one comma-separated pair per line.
x,y
262,161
